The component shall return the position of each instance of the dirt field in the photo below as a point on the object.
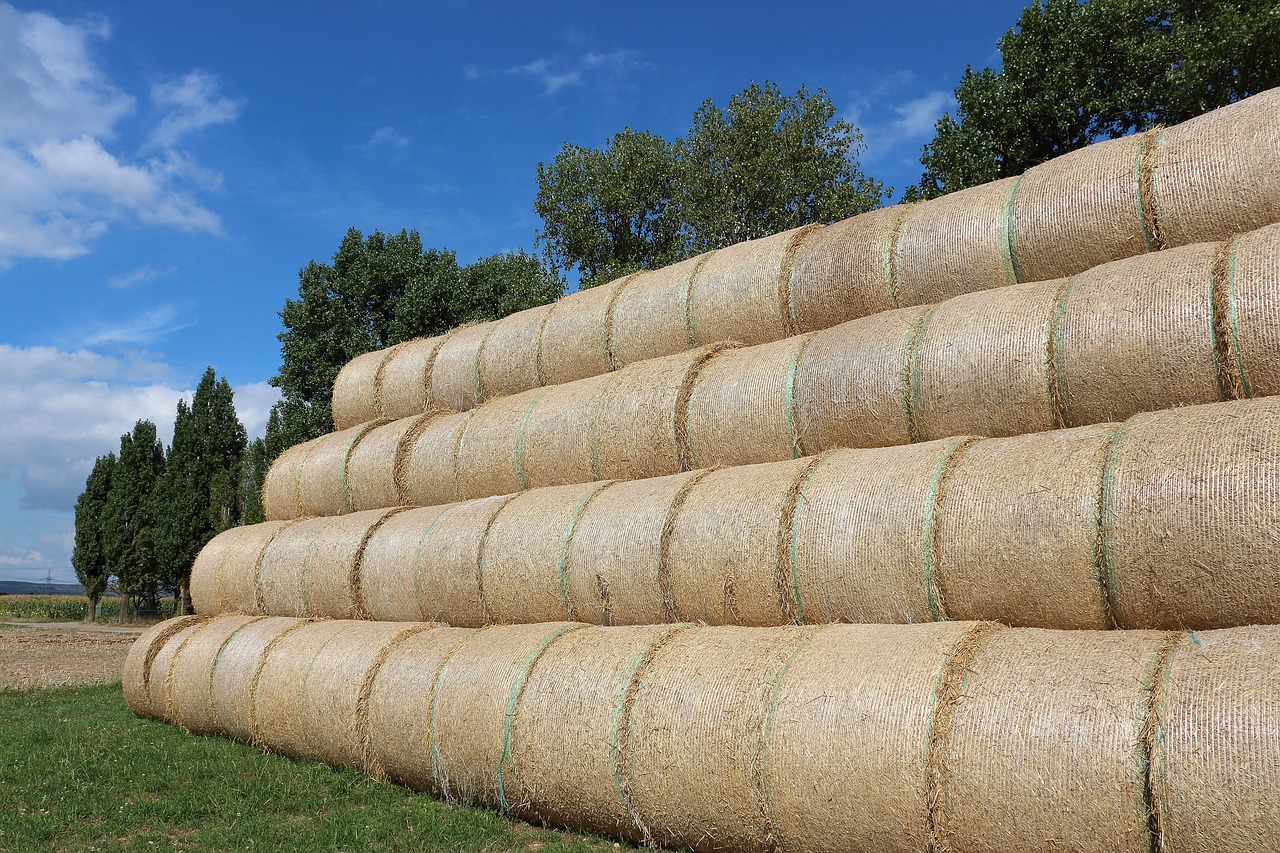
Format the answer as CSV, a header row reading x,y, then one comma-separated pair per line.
x,y
45,655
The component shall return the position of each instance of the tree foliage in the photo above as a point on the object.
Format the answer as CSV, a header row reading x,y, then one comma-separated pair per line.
x,y
765,163
198,495
1073,73
89,555
378,291
128,517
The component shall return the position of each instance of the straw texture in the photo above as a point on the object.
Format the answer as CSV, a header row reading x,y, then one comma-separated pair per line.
x,y
954,736
455,377
1137,525
507,361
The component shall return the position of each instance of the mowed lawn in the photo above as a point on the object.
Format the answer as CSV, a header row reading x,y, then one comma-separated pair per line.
x,y
78,771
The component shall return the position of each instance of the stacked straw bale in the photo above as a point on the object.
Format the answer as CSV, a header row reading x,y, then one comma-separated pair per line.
x,y
1192,325
1208,179
949,736
1093,527
957,410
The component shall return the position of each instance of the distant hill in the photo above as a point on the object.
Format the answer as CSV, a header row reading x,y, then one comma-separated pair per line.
x,y
26,588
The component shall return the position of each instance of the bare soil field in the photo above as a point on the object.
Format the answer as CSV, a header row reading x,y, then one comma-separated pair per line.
x,y
55,654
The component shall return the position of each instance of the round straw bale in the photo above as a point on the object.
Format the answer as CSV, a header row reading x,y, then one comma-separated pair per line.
x,y
1191,517
846,737
1219,174
1215,776
722,555
980,364
443,572
233,676
525,558
849,385
189,691
138,672
281,498
574,340
555,432
278,697
859,548
846,270
1137,335
403,385
355,390
455,378
400,706
737,296
616,551
371,470
490,447
324,483
1252,320
157,663
308,569
649,317
1016,530
225,571
428,465
1077,210
634,430
1041,749
393,557
954,244
474,701
742,405
693,750
333,721
565,752
508,362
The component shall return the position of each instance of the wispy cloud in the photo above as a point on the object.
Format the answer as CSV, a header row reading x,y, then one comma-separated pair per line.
x,y
192,102
145,328
554,74
141,275
63,184
894,123
388,137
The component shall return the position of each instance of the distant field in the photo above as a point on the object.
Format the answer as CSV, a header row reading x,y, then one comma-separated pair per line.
x,y
79,772
64,608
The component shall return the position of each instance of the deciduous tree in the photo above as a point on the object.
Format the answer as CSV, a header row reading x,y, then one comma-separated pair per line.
x,y
89,556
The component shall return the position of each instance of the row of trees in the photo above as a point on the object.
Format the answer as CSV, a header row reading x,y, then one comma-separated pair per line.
x,y
146,511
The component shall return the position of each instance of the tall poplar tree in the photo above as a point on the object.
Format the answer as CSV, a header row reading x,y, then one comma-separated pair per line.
x,y
128,517
198,495
89,556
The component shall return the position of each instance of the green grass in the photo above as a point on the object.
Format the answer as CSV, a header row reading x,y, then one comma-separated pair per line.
x,y
78,771
66,608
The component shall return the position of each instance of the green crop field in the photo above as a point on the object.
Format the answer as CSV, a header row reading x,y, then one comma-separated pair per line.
x,y
78,771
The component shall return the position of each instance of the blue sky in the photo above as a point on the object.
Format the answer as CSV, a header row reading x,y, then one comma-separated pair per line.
x,y
166,169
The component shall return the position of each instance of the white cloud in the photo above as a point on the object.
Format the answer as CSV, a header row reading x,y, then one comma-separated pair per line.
x,y
895,126
556,74
65,408
145,328
62,186
387,136
194,104
140,275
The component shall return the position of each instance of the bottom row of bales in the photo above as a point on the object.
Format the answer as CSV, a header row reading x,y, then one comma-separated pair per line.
x,y
945,736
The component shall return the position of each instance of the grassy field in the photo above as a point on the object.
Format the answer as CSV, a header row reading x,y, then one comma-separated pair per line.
x,y
79,772
66,608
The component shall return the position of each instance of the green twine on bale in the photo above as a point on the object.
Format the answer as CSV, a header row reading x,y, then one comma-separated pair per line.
x,y
1008,248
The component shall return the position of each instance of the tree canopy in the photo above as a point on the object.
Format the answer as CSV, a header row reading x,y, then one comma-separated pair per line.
x,y
1074,73
89,554
128,514
764,163
378,291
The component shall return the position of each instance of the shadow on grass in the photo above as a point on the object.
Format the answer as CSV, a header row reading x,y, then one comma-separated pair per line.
x,y
78,771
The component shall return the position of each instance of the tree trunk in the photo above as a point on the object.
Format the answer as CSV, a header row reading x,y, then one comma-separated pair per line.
x,y
93,608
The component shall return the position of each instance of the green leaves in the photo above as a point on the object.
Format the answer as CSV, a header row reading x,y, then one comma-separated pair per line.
x,y
89,557
1074,73
765,163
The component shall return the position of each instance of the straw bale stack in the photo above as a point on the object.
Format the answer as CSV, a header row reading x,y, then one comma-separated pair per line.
x,y
1185,326
1093,527
1206,180
951,736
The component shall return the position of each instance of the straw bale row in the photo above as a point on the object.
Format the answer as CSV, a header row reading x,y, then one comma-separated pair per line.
x,y
947,736
1170,520
1185,326
1205,180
